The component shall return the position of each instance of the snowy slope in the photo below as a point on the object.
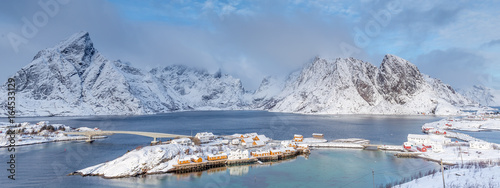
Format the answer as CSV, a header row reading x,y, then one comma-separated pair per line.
x,y
459,177
73,78
347,86
484,95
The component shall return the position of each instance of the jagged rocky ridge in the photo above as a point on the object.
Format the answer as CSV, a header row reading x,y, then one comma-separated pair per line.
x,y
484,95
351,86
73,78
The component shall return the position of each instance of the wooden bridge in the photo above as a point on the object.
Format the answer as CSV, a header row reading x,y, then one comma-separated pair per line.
x,y
153,135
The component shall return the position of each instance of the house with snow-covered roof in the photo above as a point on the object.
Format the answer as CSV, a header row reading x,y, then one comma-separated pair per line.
x,y
205,137
260,153
261,137
219,156
247,141
182,141
287,149
185,160
257,143
298,138
238,154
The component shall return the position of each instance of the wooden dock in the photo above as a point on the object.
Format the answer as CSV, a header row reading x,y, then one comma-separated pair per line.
x,y
241,161
222,164
407,154
194,167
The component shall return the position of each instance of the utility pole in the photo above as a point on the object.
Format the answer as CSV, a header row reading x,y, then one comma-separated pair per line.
x,y
461,155
442,172
373,177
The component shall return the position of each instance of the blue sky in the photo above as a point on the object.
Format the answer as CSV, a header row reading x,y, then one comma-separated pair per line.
x,y
455,41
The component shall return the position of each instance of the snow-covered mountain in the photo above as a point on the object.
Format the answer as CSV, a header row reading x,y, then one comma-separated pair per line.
x,y
351,86
484,95
73,78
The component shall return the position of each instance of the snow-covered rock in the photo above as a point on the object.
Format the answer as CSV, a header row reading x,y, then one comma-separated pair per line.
x,y
351,86
484,95
73,78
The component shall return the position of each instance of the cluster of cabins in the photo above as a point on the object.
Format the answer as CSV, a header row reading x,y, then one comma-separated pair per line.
x,y
422,143
244,143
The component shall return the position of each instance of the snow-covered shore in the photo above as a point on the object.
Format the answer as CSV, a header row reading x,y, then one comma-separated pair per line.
x,y
149,160
479,123
458,177
39,133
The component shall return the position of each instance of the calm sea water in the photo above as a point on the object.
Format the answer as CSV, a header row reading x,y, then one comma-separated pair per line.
x,y
46,165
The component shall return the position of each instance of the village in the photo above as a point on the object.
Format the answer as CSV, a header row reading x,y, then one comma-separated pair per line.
x,y
441,143
240,149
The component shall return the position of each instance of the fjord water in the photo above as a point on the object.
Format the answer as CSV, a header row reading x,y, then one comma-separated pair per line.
x,y
47,165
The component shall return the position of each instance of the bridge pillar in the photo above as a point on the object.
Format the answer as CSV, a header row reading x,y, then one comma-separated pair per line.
x,y
154,141
89,140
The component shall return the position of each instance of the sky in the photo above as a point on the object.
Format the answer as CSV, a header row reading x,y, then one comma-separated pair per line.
x,y
455,41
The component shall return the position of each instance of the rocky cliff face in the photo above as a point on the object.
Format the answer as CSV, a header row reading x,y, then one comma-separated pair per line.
x,y
73,78
483,95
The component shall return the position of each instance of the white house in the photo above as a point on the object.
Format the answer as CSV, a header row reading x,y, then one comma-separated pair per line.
x,y
182,141
479,145
235,141
238,154
205,137
419,139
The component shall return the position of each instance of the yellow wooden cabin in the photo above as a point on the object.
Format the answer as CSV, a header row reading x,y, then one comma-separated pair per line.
x,y
275,152
298,138
217,157
197,160
261,153
183,161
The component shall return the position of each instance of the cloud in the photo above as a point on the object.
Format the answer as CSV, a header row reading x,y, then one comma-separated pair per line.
x,y
491,43
253,39
457,67
223,35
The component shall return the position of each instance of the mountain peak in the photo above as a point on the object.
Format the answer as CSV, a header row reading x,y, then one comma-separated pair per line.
x,y
79,48
392,63
77,41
